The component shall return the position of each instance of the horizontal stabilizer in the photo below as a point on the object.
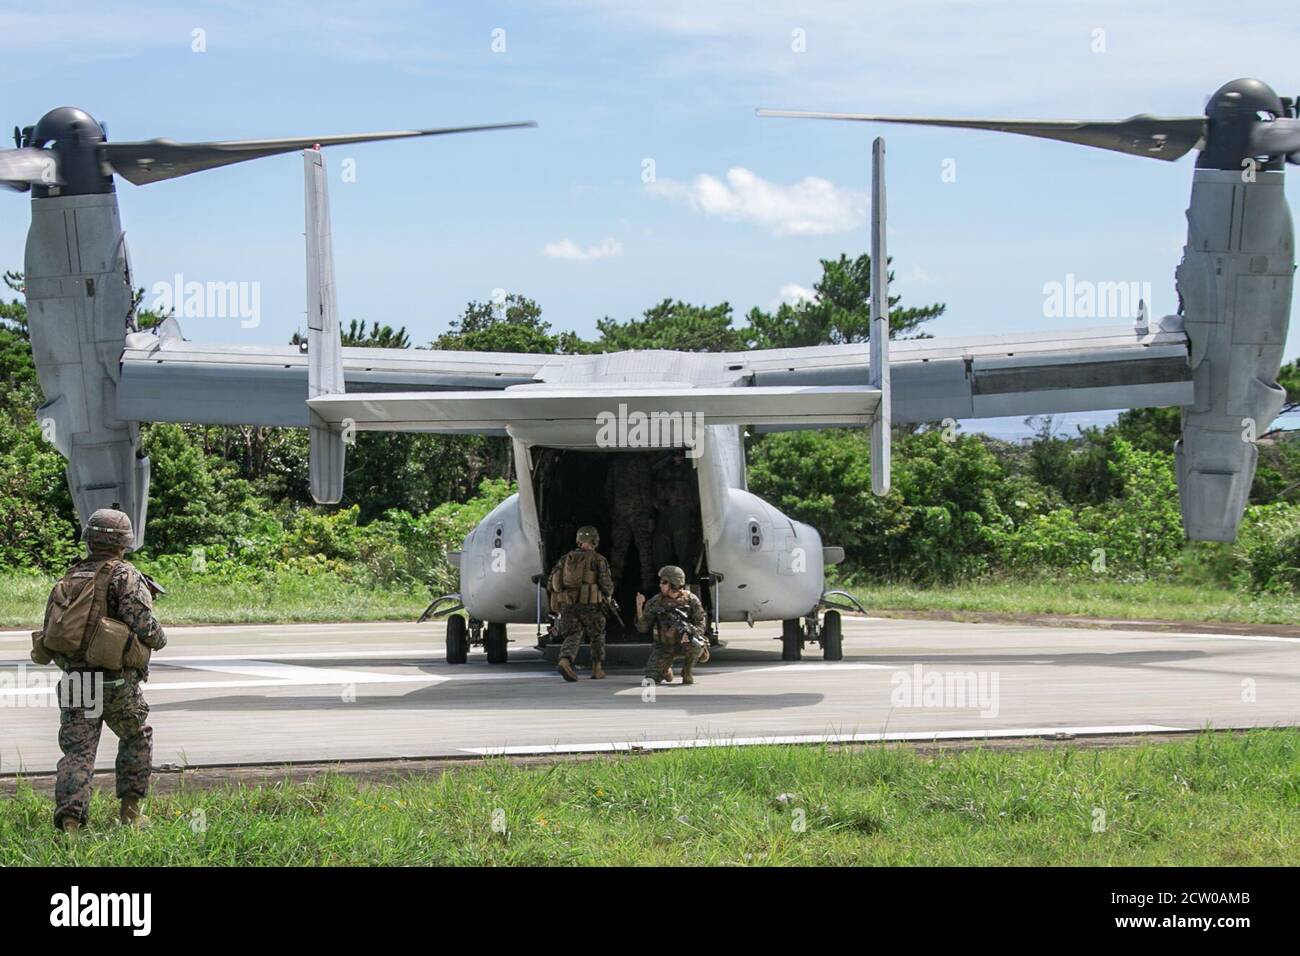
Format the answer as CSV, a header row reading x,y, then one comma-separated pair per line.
x,y
585,412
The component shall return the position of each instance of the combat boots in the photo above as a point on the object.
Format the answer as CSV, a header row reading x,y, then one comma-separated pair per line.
x,y
667,676
71,828
597,670
130,815
566,669
687,676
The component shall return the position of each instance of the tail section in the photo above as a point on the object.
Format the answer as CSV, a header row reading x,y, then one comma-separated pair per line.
x,y
324,338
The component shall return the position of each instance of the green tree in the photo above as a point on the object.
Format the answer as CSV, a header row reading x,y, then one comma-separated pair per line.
x,y
1150,429
194,499
840,313
940,521
675,325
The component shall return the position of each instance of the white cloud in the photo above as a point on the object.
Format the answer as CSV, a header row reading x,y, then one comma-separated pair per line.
x,y
791,294
810,207
568,249
916,274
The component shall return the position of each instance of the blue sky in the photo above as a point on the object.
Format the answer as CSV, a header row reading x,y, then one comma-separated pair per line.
x,y
741,209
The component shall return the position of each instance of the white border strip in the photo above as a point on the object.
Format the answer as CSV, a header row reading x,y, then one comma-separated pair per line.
x,y
915,735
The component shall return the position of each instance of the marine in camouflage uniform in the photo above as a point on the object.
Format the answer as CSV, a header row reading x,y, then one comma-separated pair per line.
x,y
582,616
629,490
675,514
130,601
668,639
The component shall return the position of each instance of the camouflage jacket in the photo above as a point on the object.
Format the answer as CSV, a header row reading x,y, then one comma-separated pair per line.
x,y
129,601
629,487
674,498
654,615
604,580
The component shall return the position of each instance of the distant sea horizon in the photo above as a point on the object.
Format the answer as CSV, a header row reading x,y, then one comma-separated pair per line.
x,y
1014,428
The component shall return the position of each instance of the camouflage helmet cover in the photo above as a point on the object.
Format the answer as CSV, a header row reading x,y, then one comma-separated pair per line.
x,y
673,575
109,528
588,535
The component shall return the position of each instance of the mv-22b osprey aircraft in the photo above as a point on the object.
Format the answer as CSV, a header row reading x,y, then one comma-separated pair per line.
x,y
1217,359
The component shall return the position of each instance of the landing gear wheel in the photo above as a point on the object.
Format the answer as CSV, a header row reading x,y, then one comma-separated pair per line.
x,y
791,640
832,637
457,640
494,642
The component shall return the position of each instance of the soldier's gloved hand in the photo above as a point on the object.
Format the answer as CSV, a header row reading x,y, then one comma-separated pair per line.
x,y
640,603
156,640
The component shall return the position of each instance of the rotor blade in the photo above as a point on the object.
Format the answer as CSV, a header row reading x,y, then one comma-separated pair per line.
x,y
1276,138
20,168
1159,137
158,159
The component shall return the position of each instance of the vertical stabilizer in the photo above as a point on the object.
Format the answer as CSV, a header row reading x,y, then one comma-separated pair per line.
x,y
879,371
324,338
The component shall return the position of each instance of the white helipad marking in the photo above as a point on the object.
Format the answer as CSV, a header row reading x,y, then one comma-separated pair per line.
x,y
297,674
917,735
297,656
267,674
1236,637
800,668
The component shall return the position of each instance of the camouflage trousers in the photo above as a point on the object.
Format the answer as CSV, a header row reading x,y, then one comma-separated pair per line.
x,y
673,546
578,621
632,529
127,715
662,654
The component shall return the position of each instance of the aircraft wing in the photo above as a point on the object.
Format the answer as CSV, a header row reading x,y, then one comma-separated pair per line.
x,y
165,378
524,409
168,379
1030,373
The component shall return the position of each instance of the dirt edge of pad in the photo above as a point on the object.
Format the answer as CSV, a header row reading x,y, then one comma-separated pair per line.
x,y
380,770
1089,623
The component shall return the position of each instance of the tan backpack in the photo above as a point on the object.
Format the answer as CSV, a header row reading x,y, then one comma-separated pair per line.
x,y
78,626
578,570
574,581
74,608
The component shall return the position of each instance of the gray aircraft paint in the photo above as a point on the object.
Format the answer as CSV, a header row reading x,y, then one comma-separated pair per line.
x,y
79,307
1218,359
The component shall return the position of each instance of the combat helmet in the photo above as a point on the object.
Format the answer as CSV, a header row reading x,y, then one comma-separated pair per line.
x,y
108,529
588,535
673,575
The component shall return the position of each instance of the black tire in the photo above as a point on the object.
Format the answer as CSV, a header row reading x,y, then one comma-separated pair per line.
x,y
791,640
457,640
832,637
494,642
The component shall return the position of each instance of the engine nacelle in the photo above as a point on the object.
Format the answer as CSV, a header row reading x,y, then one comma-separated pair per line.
x,y
1234,284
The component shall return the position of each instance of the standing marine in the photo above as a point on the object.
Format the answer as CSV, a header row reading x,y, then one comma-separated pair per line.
x,y
629,491
676,512
100,630
581,588
677,620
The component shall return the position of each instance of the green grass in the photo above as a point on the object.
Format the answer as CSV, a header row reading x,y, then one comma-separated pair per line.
x,y
1215,799
285,598
325,597
1147,600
